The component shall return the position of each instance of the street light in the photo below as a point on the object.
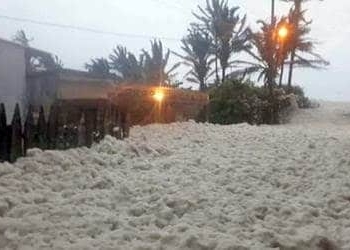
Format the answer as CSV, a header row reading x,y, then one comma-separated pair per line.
x,y
158,95
272,11
283,32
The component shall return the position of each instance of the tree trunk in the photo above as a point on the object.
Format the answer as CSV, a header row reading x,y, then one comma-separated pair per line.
x,y
216,71
296,27
270,85
223,79
216,62
201,86
291,67
281,75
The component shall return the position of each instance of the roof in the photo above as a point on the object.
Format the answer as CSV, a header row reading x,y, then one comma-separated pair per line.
x,y
75,72
32,50
11,43
72,75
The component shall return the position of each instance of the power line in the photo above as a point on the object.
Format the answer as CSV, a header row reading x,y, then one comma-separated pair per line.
x,y
171,5
86,29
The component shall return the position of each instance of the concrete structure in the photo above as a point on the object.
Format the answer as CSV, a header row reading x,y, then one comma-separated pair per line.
x,y
67,86
140,102
16,62
30,76
12,76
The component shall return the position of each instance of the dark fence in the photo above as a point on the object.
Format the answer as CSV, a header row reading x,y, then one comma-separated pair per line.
x,y
35,131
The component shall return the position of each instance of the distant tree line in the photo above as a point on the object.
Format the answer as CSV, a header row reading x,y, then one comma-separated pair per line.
x,y
214,43
213,47
149,68
212,50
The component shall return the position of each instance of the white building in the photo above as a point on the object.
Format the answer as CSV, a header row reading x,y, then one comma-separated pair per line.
x,y
12,76
16,63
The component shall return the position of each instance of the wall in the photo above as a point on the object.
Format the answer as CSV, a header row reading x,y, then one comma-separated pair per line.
x,y
84,89
42,90
177,104
12,77
46,88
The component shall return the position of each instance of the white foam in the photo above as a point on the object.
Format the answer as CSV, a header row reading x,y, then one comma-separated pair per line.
x,y
187,186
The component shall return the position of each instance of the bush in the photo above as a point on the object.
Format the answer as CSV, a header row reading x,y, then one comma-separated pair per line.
x,y
236,102
303,101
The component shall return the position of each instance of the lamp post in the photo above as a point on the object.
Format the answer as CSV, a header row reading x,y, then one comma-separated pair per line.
x,y
158,97
282,33
272,11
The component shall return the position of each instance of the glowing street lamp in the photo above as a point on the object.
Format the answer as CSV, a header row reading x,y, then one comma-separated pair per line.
x,y
283,32
158,95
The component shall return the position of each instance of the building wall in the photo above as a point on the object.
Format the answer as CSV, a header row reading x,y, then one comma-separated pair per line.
x,y
177,104
47,88
12,77
84,89
42,91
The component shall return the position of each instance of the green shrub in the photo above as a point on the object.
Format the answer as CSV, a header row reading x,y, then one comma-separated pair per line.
x,y
237,102
233,102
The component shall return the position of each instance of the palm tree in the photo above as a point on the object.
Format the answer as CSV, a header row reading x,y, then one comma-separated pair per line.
x,y
235,41
150,68
22,39
266,55
51,62
196,47
37,63
58,62
126,65
45,62
99,66
155,63
283,44
300,43
228,29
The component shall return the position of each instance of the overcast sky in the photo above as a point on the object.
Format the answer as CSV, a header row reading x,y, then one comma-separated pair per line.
x,y
169,19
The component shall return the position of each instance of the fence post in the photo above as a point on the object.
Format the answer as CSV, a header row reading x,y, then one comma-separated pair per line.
x,y
52,127
100,122
113,120
82,131
41,134
16,150
3,134
29,131
75,136
108,120
90,120
124,124
117,129
126,128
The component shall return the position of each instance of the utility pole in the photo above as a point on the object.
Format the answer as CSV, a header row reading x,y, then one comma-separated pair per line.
x,y
295,21
272,11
